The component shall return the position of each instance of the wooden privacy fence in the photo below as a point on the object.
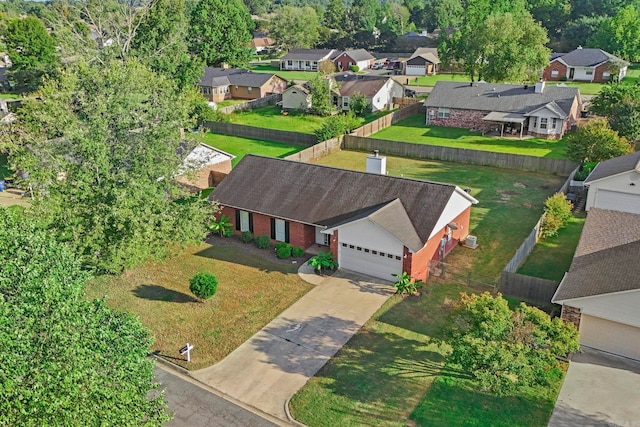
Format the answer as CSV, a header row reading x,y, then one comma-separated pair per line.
x,y
254,103
253,132
525,248
527,288
389,119
462,155
317,151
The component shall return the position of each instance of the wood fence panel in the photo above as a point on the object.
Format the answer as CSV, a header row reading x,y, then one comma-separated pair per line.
x,y
317,151
254,103
527,288
253,132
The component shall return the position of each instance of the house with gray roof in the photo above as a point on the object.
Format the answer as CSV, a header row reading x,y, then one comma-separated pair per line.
x,y
306,59
423,62
373,223
540,110
600,294
379,90
585,65
218,84
615,184
358,57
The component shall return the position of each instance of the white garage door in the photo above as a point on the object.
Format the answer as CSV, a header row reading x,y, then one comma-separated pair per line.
x,y
614,200
416,70
612,337
369,261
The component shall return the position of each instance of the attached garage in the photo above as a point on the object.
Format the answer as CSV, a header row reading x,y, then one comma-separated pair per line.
x,y
372,262
617,200
612,337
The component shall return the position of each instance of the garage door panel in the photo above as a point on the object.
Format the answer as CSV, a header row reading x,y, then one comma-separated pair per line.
x,y
612,337
618,201
368,261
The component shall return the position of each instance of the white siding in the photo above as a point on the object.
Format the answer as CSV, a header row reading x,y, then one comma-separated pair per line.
x,y
621,307
580,73
611,337
535,122
616,193
363,65
383,100
455,206
294,99
367,234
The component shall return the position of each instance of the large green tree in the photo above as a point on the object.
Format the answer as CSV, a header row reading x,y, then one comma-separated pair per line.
x,y
220,32
66,360
295,27
363,14
334,14
552,14
507,350
101,149
595,142
620,104
620,34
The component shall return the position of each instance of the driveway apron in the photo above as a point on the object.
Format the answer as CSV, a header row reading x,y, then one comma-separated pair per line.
x,y
277,361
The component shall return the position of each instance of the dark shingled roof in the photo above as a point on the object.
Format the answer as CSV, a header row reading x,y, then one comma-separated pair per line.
x,y
607,258
615,166
322,195
358,55
505,98
588,57
310,54
233,76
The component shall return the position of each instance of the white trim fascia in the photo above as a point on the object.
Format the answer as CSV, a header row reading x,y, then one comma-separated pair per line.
x,y
468,196
590,297
610,176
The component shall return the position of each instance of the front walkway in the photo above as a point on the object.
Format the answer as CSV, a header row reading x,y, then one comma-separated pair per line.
x,y
277,361
600,389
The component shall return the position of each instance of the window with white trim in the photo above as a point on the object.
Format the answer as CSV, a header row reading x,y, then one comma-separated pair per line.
x,y
589,73
249,89
554,123
543,122
443,113
554,73
289,63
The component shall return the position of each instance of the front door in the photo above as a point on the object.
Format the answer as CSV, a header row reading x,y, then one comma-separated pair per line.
x,y
280,233
572,71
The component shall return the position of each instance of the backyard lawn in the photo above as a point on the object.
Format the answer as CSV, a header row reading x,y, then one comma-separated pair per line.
x,y
228,102
287,75
271,117
415,131
252,290
239,147
511,203
551,258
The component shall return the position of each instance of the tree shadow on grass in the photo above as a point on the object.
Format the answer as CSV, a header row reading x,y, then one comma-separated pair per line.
x,y
160,293
230,251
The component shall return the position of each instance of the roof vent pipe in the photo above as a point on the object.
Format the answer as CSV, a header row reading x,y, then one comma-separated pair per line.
x,y
376,153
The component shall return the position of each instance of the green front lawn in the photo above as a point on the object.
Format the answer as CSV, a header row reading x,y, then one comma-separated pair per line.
x,y
551,258
432,80
228,102
252,290
287,75
7,95
415,130
239,147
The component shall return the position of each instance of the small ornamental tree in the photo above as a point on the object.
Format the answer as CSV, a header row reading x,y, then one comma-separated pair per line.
x,y
359,105
203,285
221,225
595,142
557,213
504,350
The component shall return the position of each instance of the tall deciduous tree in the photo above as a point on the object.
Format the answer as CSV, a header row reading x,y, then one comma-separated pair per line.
x,y
595,142
66,360
620,104
620,34
295,27
220,32
101,150
334,15
363,14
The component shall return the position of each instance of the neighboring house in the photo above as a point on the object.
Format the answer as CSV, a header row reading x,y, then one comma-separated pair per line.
x,y
586,65
600,293
494,108
373,223
306,59
359,57
296,97
379,91
615,185
204,167
218,84
423,62
260,43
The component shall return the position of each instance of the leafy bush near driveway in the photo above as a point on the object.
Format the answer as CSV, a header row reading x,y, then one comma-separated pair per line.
x,y
203,285
405,284
323,261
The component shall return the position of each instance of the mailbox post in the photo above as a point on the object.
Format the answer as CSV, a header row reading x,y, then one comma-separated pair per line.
x,y
186,350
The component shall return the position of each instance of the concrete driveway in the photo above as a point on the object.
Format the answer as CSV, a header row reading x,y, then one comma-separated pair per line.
x,y
599,390
271,366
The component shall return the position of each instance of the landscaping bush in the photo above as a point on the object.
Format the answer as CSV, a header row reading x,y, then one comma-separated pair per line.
x,y
246,237
284,251
221,225
354,68
336,125
323,261
359,105
584,171
557,213
203,285
228,232
297,252
263,242
405,284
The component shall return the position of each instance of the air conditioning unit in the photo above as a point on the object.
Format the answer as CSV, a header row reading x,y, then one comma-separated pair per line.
x,y
471,242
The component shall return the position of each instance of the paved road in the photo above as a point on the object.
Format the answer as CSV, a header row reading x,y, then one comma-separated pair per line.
x,y
600,390
194,406
276,362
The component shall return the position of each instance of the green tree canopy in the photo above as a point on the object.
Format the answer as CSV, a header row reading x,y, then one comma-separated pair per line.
x,y
363,15
220,32
620,104
509,350
320,89
66,360
101,150
295,27
29,44
334,15
620,34
595,142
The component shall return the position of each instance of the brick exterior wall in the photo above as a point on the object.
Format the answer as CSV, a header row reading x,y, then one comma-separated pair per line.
x,y
333,244
342,62
557,65
467,119
599,71
571,315
207,176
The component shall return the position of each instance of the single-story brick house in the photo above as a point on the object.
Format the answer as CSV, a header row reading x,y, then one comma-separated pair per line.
x,y
423,62
218,84
204,167
540,110
600,293
615,184
360,57
306,59
373,223
585,65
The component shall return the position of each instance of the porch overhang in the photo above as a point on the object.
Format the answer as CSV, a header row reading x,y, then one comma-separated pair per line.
x,y
496,116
